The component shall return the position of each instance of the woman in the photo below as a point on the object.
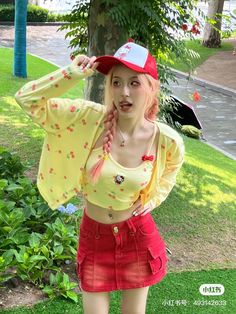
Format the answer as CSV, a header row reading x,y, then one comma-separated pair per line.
x,y
122,161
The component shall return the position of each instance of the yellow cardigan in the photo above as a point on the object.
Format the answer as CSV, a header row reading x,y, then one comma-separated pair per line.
x,y
73,127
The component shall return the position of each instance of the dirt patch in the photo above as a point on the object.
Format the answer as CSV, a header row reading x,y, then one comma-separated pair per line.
x,y
16,293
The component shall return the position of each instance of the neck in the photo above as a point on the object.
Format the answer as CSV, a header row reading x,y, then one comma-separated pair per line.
x,y
129,127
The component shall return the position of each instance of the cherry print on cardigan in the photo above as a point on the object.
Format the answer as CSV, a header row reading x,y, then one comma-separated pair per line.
x,y
70,129
163,146
76,190
72,108
56,85
33,86
51,78
65,177
86,145
84,122
41,176
71,154
66,75
54,106
48,147
51,171
59,135
59,151
122,190
168,156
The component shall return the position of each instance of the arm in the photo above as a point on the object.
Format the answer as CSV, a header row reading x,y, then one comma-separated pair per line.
x,y
37,97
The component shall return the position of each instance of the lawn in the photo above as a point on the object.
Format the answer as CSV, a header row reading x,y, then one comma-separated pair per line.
x,y
204,54
197,221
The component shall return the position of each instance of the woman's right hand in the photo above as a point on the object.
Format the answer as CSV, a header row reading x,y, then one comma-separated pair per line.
x,y
85,62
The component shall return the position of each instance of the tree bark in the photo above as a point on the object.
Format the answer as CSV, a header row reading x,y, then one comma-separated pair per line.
x,y
212,36
104,38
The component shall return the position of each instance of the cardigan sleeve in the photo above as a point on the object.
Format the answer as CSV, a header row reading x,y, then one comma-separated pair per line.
x,y
174,161
39,99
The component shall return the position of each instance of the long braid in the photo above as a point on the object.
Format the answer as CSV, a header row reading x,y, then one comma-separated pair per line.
x,y
110,125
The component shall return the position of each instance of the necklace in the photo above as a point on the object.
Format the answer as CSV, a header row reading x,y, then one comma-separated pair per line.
x,y
122,144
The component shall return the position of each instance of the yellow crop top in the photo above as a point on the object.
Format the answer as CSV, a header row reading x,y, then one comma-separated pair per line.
x,y
118,187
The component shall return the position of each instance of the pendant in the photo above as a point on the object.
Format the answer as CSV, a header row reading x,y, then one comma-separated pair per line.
x,y
119,179
122,144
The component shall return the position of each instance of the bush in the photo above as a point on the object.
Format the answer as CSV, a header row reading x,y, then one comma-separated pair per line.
x,y
37,14
7,13
34,14
35,242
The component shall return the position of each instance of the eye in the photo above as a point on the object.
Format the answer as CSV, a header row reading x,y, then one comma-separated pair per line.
x,y
135,83
115,83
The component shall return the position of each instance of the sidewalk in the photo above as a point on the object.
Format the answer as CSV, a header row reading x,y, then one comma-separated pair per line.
x,y
216,109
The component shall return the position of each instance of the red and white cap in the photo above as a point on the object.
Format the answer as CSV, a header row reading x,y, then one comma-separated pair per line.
x,y
131,55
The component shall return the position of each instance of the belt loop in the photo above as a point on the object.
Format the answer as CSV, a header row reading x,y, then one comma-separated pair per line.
x,y
131,225
97,235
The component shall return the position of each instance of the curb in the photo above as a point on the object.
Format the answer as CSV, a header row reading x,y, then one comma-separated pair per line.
x,y
217,88
220,150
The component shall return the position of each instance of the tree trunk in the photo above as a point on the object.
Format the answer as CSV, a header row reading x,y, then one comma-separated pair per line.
x,y
212,37
20,38
104,38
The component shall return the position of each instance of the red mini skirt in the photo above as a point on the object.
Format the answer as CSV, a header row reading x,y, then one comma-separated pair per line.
x,y
125,255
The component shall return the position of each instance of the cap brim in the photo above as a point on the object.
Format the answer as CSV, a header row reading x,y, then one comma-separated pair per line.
x,y
107,62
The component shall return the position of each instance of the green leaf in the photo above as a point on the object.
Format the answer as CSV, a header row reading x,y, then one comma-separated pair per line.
x,y
34,240
36,258
72,295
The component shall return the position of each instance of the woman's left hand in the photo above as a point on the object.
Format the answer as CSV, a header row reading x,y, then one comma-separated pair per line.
x,y
140,210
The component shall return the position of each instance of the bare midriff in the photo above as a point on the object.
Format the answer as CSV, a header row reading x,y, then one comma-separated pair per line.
x,y
107,216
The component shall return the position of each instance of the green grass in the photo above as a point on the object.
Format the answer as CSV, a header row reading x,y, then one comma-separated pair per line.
x,y
197,220
174,289
204,53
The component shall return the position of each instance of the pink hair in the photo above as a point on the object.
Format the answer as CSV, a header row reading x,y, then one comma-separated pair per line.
x,y
152,87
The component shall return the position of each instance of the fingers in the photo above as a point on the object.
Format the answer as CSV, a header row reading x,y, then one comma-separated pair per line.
x,y
85,62
139,209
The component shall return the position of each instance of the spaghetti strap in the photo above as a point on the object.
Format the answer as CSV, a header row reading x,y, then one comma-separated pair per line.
x,y
153,137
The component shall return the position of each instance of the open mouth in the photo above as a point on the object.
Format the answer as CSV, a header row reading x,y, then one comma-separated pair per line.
x,y
125,105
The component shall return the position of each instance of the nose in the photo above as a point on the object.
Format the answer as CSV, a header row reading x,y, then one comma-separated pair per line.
x,y
125,90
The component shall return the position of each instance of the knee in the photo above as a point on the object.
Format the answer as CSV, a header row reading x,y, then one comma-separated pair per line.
x,y
132,309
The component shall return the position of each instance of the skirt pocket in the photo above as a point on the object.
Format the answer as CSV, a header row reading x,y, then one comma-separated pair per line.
x,y
157,259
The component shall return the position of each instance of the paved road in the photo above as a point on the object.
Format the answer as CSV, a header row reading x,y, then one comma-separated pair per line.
x,y
216,110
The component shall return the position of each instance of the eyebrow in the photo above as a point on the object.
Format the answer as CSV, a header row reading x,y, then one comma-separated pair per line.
x,y
132,77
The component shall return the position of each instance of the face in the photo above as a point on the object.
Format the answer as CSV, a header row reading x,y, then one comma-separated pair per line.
x,y
129,94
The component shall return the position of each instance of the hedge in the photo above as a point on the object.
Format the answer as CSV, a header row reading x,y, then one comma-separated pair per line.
x,y
34,14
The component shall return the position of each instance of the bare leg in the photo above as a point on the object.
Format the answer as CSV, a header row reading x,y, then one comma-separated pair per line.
x,y
134,300
96,302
